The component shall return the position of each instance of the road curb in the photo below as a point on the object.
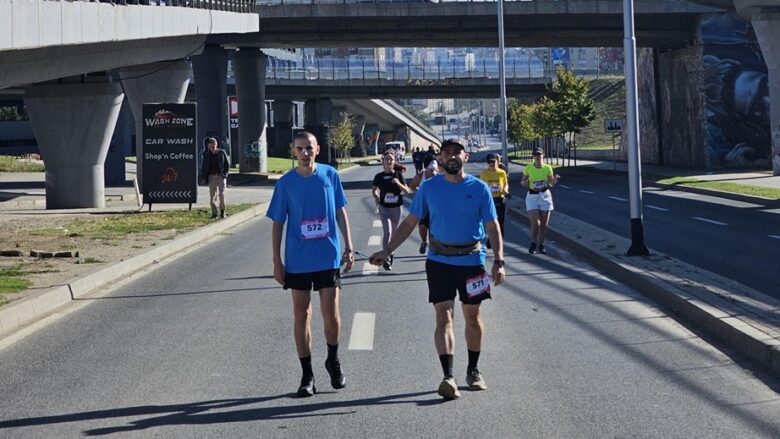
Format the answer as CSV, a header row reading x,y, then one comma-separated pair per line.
x,y
720,194
17,315
715,311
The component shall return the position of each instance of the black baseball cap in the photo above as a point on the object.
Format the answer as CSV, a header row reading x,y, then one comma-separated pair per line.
x,y
449,143
491,157
537,151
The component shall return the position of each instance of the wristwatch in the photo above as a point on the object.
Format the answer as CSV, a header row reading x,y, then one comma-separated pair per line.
x,y
499,262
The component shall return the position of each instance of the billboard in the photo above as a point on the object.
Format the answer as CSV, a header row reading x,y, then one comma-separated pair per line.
x,y
169,161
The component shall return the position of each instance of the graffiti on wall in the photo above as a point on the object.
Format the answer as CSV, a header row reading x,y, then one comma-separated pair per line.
x,y
736,95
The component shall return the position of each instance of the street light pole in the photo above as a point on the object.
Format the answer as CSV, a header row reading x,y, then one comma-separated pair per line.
x,y
638,247
502,82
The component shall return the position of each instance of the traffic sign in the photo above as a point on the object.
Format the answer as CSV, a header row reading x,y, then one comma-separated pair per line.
x,y
613,125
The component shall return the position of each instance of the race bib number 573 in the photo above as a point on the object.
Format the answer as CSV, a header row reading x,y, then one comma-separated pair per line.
x,y
315,228
478,285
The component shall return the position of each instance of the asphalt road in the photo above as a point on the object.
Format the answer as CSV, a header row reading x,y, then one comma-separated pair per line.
x,y
202,347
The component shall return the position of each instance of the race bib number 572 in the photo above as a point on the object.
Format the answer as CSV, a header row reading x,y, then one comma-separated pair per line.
x,y
315,228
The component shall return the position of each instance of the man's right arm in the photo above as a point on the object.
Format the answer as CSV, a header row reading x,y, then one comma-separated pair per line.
x,y
400,235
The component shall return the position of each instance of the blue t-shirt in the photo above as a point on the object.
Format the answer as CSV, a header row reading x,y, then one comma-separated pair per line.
x,y
457,213
308,205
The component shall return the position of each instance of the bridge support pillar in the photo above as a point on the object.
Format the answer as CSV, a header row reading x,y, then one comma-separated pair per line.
x,y
163,82
283,124
765,18
73,124
249,66
210,71
319,112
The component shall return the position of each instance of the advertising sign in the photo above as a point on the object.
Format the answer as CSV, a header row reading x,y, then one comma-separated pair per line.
x,y
613,125
170,165
233,130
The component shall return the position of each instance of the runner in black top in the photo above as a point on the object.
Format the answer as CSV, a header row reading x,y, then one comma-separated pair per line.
x,y
388,190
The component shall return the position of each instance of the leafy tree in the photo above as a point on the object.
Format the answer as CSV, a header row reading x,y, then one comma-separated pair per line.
x,y
574,107
522,127
340,135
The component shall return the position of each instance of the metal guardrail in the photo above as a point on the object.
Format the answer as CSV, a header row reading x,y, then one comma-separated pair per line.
x,y
249,6
339,2
416,74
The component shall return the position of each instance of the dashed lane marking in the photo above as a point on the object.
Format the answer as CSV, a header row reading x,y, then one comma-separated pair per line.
x,y
706,220
564,186
369,268
650,206
377,223
775,236
586,192
618,198
361,337
374,240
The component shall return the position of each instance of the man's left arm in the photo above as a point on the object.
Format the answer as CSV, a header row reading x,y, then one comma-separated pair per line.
x,y
349,253
497,243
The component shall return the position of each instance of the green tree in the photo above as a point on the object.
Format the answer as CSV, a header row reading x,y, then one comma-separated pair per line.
x,y
574,107
340,135
522,127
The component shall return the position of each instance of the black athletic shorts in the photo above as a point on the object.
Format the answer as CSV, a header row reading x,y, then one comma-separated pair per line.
x,y
445,280
314,280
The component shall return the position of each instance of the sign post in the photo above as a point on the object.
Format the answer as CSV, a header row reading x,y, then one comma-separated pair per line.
x,y
614,127
233,130
170,154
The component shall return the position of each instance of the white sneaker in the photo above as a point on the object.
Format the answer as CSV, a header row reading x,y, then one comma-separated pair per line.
x,y
448,389
474,380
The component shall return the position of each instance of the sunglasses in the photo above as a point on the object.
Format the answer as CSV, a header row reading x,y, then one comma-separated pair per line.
x,y
491,161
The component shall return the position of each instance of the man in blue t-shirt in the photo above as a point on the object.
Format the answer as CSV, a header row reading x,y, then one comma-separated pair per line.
x,y
311,200
460,210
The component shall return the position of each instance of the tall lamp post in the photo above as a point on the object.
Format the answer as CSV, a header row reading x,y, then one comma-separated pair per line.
x,y
638,247
502,84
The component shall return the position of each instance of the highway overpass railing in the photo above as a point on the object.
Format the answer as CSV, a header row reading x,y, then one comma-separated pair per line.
x,y
216,5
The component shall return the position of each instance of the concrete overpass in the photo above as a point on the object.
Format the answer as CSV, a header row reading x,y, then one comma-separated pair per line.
x,y
537,23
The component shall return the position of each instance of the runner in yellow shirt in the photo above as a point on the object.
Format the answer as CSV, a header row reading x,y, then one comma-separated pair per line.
x,y
498,182
538,177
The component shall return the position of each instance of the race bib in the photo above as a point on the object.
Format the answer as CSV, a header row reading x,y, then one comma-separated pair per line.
x,y
316,228
478,285
539,185
494,187
391,198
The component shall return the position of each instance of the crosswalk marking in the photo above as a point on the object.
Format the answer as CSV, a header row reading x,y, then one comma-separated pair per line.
x,y
362,336
375,240
369,269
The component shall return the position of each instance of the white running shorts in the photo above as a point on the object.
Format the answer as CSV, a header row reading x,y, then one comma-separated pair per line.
x,y
540,201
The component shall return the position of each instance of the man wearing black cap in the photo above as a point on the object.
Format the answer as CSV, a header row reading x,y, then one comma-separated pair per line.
x,y
498,182
461,210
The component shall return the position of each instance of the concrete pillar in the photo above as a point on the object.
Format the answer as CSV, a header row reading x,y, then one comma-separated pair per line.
x,y
283,125
119,147
319,112
210,72
73,124
163,82
249,71
765,18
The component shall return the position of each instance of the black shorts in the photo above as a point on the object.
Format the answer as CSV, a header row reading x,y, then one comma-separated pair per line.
x,y
315,280
445,280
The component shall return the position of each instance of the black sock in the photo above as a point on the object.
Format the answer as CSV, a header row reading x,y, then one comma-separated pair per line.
x,y
306,366
446,364
333,352
473,359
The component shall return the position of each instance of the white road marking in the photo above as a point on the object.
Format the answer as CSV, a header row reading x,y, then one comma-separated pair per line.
x,y
563,186
370,269
618,198
710,221
377,223
650,206
362,336
707,199
586,192
374,240
775,236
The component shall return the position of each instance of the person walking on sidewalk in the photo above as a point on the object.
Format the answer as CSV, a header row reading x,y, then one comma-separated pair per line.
x,y
311,201
388,190
539,177
215,167
498,182
461,210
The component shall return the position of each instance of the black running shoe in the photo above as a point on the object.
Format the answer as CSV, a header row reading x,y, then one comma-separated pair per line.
x,y
307,387
337,379
532,248
542,250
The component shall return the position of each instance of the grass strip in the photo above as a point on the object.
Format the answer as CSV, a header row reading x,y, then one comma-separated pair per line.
x,y
724,186
13,164
115,226
11,282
